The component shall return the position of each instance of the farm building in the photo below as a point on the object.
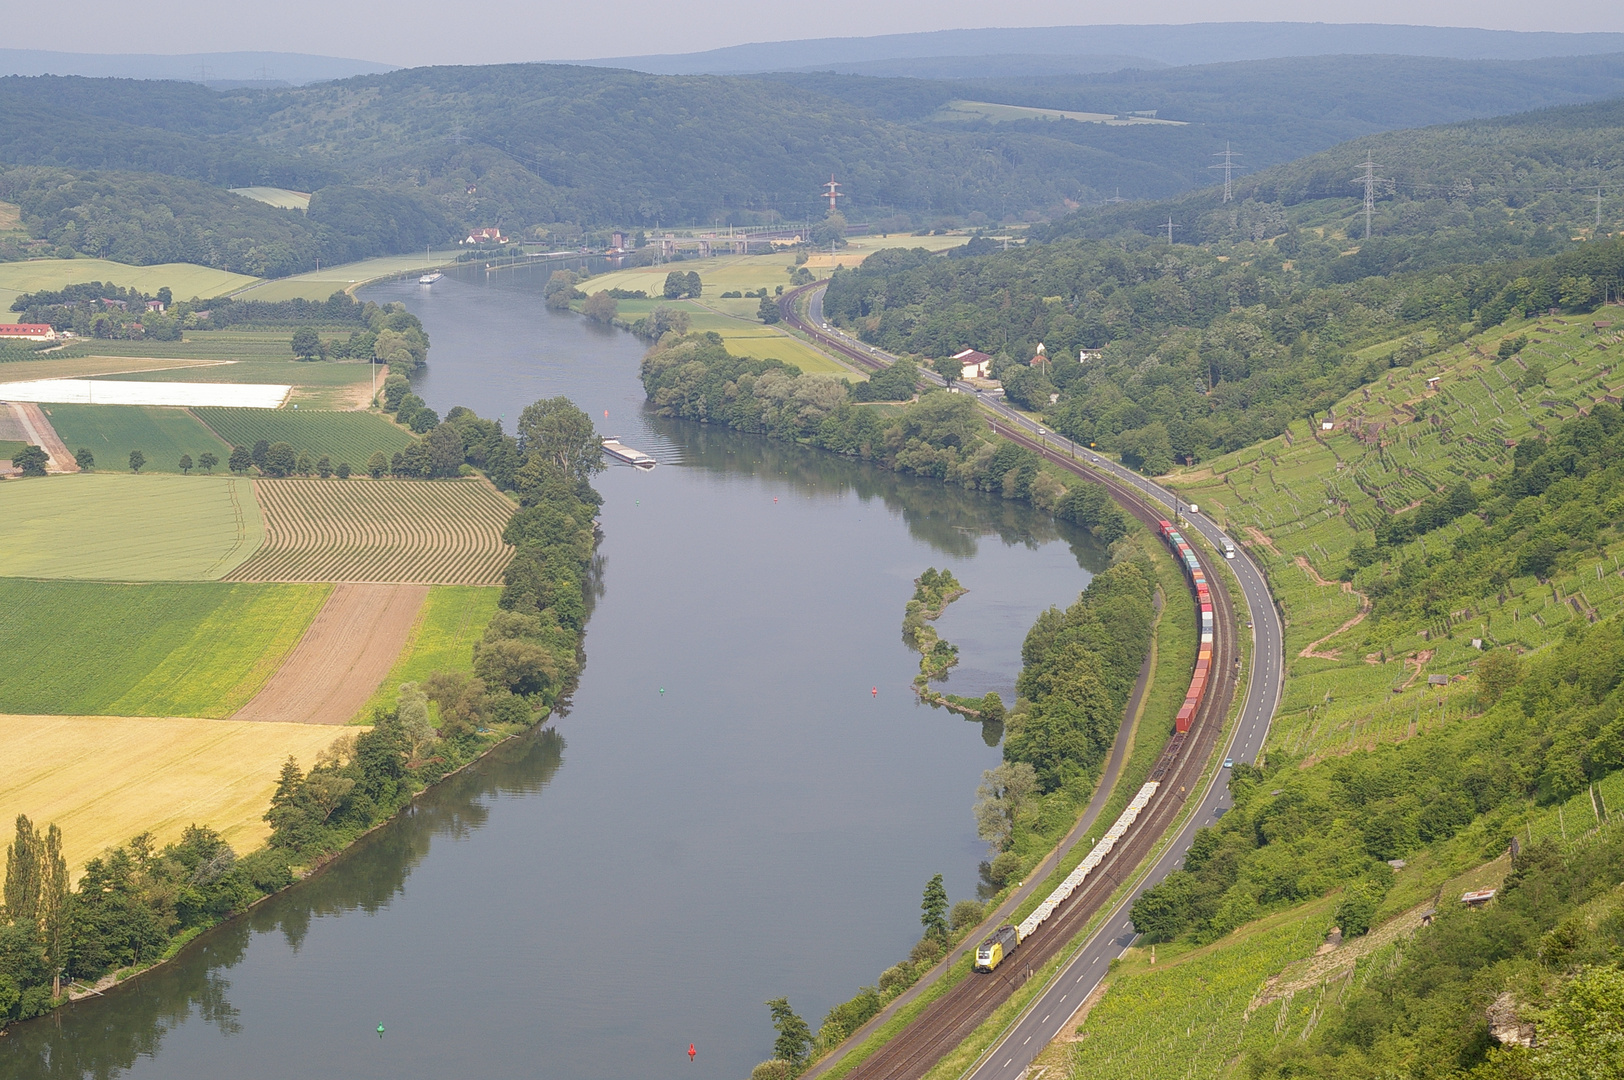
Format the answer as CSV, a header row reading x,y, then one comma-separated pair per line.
x,y
27,332
485,236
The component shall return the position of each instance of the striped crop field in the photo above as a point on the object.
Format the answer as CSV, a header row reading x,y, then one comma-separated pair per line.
x,y
421,532
351,437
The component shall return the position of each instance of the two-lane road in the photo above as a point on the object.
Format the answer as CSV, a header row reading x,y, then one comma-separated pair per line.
x,y
1047,1017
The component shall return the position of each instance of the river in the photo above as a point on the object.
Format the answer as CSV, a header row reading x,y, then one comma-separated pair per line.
x,y
728,812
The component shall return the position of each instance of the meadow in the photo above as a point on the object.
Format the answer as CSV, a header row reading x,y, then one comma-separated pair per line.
x,y
119,527
1300,501
320,284
104,779
185,280
1187,1015
110,432
351,437
448,624
407,531
281,198
156,649
83,367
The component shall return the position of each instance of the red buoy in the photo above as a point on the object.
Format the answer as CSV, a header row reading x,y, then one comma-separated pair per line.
x,y
875,691
691,1051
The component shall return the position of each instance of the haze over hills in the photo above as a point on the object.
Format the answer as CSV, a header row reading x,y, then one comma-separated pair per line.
x,y
1127,46
227,68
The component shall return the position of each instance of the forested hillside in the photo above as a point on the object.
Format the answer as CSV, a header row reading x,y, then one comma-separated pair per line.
x,y
1195,350
1522,184
417,156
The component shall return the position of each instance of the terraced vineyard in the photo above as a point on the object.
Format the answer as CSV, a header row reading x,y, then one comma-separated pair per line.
x,y
343,436
401,531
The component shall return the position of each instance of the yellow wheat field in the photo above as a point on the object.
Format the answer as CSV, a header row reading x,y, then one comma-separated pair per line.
x,y
104,779
414,532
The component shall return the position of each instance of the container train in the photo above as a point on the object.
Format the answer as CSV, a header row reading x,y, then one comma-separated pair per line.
x,y
1203,595
998,945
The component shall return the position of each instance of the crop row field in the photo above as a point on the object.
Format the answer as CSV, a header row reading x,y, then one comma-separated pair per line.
x,y
110,432
157,649
404,531
351,437
115,526
104,779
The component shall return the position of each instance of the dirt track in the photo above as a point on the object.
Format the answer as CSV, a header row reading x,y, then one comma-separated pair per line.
x,y
42,434
342,658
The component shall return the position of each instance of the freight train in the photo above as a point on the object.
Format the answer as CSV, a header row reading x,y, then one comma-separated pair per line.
x,y
1203,596
998,945
1001,942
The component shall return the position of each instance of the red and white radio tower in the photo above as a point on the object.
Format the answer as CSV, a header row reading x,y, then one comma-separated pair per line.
x,y
832,189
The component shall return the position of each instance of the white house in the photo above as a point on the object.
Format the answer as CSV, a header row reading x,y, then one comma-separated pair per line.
x,y
973,364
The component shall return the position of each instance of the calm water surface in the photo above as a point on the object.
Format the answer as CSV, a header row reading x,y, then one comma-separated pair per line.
x,y
651,867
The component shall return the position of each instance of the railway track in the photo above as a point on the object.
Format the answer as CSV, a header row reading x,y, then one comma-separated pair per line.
x,y
950,1019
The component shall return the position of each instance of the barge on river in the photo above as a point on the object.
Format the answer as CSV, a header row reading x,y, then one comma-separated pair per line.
x,y
621,452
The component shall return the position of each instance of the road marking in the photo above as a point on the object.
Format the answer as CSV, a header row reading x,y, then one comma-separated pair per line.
x,y
1045,1019
1026,1040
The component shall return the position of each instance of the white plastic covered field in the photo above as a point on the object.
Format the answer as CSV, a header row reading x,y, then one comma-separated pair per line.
x,y
115,392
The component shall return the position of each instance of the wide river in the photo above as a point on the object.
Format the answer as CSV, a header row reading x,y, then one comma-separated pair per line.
x,y
728,812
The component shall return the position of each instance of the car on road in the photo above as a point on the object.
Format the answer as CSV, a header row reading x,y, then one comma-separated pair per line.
x,y
1229,763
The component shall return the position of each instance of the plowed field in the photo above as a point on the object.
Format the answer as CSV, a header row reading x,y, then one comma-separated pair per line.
x,y
387,531
342,658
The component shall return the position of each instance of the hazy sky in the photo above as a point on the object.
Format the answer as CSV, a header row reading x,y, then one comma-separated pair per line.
x,y
414,32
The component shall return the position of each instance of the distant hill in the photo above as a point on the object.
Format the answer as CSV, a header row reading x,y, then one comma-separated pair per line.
x,y
1192,43
1505,187
227,68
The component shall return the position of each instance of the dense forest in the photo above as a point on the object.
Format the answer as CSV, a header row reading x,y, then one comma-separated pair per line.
x,y
138,903
1168,353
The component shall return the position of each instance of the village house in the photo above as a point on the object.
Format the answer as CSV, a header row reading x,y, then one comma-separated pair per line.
x,y
973,364
485,236
1039,356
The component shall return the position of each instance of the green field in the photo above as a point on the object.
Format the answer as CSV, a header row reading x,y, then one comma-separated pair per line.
x,y
119,527
9,449
320,284
165,649
185,280
342,436
450,621
112,431
275,196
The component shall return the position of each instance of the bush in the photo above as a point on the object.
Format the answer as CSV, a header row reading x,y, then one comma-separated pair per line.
x,y
966,913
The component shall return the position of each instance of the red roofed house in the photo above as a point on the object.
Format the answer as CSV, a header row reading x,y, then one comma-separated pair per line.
x,y
485,236
27,332
1041,357
972,364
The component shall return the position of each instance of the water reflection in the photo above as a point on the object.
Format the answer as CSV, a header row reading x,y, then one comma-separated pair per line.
x,y
130,1022
949,518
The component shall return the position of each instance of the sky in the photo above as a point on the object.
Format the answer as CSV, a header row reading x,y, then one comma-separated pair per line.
x,y
418,32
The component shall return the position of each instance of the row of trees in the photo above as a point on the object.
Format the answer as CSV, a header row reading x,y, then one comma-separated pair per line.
x,y
941,434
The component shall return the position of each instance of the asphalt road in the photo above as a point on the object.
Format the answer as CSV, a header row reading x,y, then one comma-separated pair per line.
x,y
1048,1016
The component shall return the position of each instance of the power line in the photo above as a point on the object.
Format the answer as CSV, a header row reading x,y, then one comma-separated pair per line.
x,y
1170,227
1369,180
1228,166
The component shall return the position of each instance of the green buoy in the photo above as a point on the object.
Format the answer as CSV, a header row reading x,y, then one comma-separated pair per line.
x,y
380,1031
